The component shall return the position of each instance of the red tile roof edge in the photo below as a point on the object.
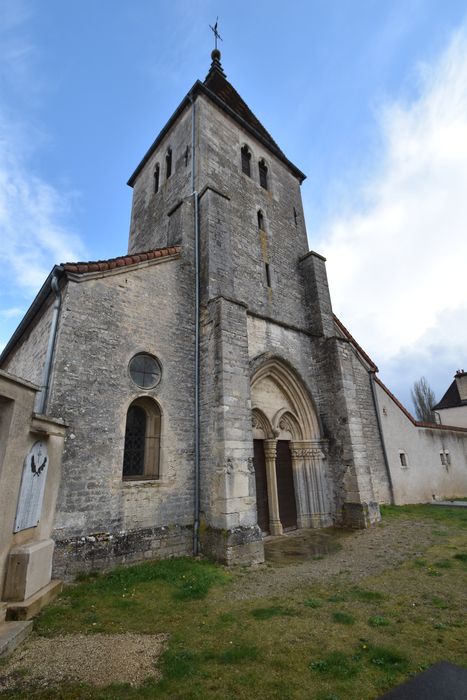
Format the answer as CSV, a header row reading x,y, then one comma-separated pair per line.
x,y
418,423
82,268
358,347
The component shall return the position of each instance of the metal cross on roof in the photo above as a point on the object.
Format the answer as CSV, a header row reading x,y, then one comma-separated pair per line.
x,y
215,32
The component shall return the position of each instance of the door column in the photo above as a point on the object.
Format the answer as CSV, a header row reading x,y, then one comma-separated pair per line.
x,y
301,485
275,525
310,483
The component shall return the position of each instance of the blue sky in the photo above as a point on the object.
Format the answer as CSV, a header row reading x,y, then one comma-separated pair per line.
x,y
368,98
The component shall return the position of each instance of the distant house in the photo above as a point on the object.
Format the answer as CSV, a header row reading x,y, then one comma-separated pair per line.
x,y
452,409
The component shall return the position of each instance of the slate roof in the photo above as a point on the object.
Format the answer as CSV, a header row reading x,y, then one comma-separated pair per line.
x,y
451,398
218,89
122,261
217,82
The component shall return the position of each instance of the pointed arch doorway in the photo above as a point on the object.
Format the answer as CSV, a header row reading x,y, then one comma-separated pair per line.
x,y
291,488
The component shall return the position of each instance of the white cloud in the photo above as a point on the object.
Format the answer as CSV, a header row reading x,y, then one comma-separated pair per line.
x,y
12,312
33,213
397,257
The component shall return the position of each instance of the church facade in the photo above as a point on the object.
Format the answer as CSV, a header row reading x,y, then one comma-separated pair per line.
x,y
210,394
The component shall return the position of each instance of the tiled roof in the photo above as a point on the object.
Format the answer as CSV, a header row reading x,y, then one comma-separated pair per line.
x,y
358,347
122,261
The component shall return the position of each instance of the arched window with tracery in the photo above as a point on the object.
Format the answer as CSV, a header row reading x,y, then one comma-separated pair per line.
x,y
142,440
263,174
246,161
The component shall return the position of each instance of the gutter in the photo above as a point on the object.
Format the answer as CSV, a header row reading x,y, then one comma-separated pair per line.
x,y
197,343
42,396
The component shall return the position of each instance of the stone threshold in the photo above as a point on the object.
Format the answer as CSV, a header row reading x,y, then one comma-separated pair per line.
x,y
29,608
12,634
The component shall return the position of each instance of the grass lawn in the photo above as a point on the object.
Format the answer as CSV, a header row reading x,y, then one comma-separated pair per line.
x,y
321,642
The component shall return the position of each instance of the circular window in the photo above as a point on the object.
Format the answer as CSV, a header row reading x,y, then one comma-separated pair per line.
x,y
145,370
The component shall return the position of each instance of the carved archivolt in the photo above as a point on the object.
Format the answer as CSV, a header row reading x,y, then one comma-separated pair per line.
x,y
286,421
300,419
260,422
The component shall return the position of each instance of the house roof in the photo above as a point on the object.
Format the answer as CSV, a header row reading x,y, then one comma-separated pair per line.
x,y
218,89
451,398
122,261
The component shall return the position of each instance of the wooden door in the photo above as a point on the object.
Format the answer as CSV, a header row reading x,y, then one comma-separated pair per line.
x,y
285,486
259,464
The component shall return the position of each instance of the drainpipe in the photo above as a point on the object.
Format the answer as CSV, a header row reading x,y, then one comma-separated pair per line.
x,y
194,194
41,399
381,435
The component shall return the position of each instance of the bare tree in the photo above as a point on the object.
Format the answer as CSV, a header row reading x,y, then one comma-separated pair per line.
x,y
424,399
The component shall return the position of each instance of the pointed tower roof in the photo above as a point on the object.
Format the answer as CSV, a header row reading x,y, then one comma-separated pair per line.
x,y
218,89
216,81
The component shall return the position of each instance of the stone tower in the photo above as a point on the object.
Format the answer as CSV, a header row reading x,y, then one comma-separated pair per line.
x,y
210,394
288,434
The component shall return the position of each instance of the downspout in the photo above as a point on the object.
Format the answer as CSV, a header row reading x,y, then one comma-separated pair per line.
x,y
42,396
194,194
371,375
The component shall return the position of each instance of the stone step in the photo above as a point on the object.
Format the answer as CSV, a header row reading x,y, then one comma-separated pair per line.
x,y
12,634
29,608
3,607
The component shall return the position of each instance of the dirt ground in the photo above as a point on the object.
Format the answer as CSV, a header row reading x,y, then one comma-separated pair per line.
x,y
358,554
296,560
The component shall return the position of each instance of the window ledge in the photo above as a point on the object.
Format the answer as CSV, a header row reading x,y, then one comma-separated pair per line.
x,y
132,483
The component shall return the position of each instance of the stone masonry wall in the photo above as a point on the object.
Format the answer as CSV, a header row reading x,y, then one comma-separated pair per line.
x,y
150,225
27,360
221,140
105,320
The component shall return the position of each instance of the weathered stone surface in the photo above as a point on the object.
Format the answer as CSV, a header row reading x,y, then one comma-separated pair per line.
x,y
29,569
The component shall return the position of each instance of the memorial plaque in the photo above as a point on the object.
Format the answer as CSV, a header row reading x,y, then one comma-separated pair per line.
x,y
31,493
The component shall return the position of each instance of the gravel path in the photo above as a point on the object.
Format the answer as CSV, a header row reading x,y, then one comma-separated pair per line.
x,y
363,553
98,659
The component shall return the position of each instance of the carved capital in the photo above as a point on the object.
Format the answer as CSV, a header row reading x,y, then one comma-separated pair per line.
x,y
270,448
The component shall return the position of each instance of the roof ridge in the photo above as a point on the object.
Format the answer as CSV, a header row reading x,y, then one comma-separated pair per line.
x,y
120,261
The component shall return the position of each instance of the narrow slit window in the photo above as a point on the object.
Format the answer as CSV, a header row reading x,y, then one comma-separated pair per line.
x,y
263,174
261,220
156,178
295,216
168,164
187,155
246,161
403,459
268,274
442,457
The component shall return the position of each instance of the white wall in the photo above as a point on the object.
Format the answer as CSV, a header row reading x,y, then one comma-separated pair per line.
x,y
454,416
425,476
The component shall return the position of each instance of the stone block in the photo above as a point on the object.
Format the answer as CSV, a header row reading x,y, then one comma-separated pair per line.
x,y
29,569
360,515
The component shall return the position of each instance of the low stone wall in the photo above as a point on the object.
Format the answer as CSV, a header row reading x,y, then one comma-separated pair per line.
x,y
102,551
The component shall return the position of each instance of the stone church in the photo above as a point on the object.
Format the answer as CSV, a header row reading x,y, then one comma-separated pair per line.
x,y
210,395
